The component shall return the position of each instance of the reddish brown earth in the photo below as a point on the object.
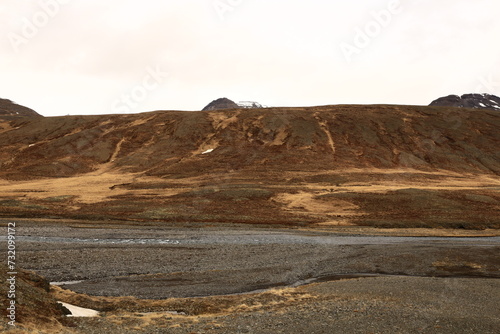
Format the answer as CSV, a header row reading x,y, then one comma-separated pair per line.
x,y
380,165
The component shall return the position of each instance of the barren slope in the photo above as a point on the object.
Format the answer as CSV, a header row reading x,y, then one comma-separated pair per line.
x,y
379,165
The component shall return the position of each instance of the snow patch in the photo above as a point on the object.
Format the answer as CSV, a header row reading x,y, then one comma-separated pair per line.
x,y
79,311
208,151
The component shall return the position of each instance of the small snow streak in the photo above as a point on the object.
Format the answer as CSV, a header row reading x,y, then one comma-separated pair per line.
x,y
208,151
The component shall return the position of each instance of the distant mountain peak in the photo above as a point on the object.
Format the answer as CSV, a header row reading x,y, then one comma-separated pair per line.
x,y
222,103
12,109
250,105
478,101
225,103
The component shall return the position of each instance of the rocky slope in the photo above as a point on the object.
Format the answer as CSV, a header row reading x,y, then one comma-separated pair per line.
x,y
479,101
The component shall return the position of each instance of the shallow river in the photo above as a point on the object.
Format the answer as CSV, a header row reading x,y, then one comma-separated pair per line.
x,y
268,238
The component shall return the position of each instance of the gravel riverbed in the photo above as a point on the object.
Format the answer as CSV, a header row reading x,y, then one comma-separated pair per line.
x,y
363,284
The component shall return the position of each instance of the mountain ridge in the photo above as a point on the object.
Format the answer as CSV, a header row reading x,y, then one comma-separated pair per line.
x,y
356,136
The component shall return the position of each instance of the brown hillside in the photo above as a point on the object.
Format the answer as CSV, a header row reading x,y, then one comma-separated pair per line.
x,y
35,309
381,165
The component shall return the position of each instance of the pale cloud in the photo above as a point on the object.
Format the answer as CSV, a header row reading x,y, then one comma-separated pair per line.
x,y
278,53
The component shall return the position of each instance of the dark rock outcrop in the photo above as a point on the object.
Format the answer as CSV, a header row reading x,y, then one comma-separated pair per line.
x,y
222,103
9,108
479,101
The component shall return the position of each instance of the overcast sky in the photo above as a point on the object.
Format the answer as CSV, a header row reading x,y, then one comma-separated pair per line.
x,y
64,57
